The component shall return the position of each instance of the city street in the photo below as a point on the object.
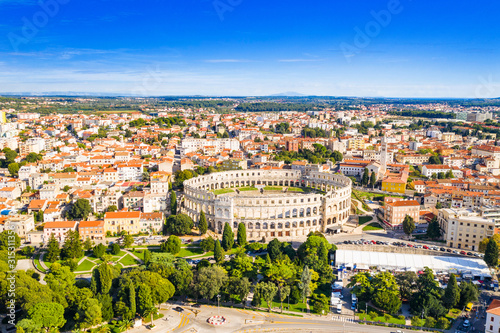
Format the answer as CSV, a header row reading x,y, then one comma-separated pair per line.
x,y
246,321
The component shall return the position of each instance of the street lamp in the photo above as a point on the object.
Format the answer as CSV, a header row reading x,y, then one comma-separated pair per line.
x,y
218,307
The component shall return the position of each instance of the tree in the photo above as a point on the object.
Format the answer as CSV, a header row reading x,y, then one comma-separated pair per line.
x,y
102,278
173,203
115,249
10,157
90,312
491,254
207,244
366,177
79,210
53,250
128,240
238,288
106,302
321,304
241,235
337,156
283,293
305,283
386,292
274,249
208,281
33,157
144,299
218,254
267,291
439,205
66,188
59,278
87,245
449,174
9,238
373,179
179,224
73,247
468,293
13,169
434,230
47,315
451,293
172,245
99,250
408,225
112,208
434,159
441,175
227,237
147,256
203,225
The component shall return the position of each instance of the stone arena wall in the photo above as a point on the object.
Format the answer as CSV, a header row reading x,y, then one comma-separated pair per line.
x,y
272,213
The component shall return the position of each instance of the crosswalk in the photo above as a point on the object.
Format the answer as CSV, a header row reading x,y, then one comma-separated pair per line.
x,y
184,321
344,319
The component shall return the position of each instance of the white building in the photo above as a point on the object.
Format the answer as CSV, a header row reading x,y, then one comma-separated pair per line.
x,y
493,317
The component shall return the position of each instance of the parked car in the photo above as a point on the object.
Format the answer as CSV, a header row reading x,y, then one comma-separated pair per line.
x,y
463,253
178,309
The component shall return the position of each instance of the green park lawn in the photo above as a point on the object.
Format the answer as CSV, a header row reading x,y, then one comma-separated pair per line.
x,y
85,266
37,263
392,320
364,219
373,226
189,251
128,260
299,307
222,191
139,254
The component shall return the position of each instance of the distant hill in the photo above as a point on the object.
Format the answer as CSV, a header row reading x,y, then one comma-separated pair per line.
x,y
287,94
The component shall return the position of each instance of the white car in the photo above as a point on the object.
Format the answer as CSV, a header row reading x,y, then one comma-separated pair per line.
x,y
466,323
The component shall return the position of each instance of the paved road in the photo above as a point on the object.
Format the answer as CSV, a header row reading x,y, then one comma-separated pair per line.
x,y
246,321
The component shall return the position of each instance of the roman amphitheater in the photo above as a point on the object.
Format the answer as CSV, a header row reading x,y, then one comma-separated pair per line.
x,y
271,203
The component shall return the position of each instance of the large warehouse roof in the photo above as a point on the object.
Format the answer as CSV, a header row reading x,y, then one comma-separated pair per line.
x,y
401,261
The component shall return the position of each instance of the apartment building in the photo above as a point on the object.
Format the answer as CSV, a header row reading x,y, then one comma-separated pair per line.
x,y
20,224
116,222
152,222
59,229
93,230
465,228
429,170
396,209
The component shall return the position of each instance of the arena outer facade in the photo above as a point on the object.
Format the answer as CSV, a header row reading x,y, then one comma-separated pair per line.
x,y
285,214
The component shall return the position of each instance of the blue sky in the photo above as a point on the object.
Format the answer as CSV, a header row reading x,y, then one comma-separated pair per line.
x,y
240,47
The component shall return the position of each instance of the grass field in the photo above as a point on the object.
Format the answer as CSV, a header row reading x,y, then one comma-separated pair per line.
x,y
37,263
295,189
128,260
299,307
189,251
373,226
364,219
222,191
140,254
247,188
273,188
85,266
382,319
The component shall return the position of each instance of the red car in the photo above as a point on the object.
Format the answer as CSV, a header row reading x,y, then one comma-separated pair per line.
x,y
463,253
426,247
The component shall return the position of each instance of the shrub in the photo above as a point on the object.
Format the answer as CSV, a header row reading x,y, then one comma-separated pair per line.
x,y
387,317
430,322
372,314
442,323
401,317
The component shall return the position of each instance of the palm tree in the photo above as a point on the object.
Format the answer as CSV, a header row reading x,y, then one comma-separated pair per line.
x,y
151,312
125,325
